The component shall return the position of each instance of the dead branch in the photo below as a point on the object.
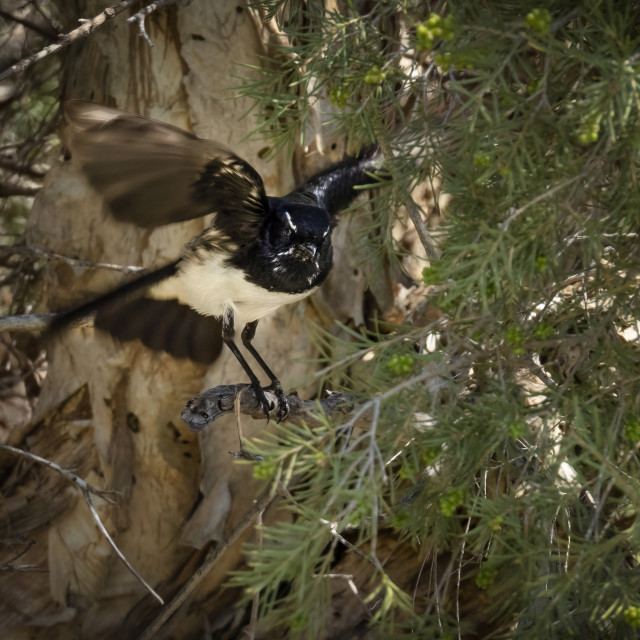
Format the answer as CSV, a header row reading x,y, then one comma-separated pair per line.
x,y
9,250
28,322
87,27
86,489
207,407
141,15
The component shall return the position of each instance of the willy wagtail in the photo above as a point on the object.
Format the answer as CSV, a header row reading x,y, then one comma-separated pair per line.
x,y
259,252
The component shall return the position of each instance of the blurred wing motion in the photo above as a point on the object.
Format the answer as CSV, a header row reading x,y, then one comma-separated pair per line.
x,y
152,174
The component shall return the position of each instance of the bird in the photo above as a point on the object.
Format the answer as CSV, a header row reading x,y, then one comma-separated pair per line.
x,y
258,253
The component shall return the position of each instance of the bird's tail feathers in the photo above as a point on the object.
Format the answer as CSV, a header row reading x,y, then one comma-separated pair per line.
x,y
115,297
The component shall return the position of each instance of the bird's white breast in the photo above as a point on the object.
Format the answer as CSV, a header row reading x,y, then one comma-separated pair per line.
x,y
211,288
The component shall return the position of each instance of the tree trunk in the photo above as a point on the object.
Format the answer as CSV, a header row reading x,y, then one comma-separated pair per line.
x,y
111,411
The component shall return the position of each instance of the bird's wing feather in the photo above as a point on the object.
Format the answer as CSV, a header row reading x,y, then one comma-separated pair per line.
x,y
151,173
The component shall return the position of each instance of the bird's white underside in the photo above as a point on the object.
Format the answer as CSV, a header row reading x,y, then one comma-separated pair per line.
x,y
212,288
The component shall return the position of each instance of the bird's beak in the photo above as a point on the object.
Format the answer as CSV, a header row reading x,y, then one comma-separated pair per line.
x,y
307,251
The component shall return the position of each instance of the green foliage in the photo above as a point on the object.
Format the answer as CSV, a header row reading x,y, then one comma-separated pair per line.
x,y
511,452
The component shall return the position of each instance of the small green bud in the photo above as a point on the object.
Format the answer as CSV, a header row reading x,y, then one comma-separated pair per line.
x,y
264,470
541,263
433,29
339,96
430,276
515,338
375,75
632,430
539,20
486,576
495,524
450,502
631,616
481,160
516,429
430,455
543,331
400,364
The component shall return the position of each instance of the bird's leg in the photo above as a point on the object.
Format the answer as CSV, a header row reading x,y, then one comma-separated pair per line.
x,y
247,336
228,334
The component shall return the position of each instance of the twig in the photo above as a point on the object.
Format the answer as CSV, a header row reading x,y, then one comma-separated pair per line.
x,y
9,566
207,407
214,556
416,212
7,250
87,489
140,16
255,605
542,196
9,190
65,40
35,322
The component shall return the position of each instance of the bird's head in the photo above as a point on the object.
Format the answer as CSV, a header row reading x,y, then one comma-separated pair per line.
x,y
297,239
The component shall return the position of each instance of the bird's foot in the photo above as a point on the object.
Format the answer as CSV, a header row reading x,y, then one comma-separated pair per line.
x,y
283,404
262,399
282,408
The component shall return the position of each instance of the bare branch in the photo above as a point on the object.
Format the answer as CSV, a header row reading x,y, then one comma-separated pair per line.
x,y
141,15
87,489
207,407
8,190
13,166
14,249
416,213
87,27
29,322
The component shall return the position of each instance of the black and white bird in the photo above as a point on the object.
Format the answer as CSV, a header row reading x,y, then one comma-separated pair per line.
x,y
258,253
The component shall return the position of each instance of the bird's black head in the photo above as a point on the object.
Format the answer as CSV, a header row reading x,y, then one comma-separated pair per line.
x,y
293,253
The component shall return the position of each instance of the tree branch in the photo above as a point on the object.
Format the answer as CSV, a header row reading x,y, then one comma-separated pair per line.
x,y
8,250
28,322
206,408
87,27
141,15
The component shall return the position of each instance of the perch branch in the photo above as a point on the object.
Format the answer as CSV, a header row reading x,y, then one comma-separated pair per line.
x,y
87,489
87,27
207,407
262,504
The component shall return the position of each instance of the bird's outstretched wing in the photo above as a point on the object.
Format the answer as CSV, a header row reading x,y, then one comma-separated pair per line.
x,y
130,313
333,188
152,174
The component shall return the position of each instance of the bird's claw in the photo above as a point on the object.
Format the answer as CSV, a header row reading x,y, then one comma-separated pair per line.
x,y
283,404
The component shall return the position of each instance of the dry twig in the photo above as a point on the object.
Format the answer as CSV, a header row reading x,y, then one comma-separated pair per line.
x,y
141,15
87,27
87,489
